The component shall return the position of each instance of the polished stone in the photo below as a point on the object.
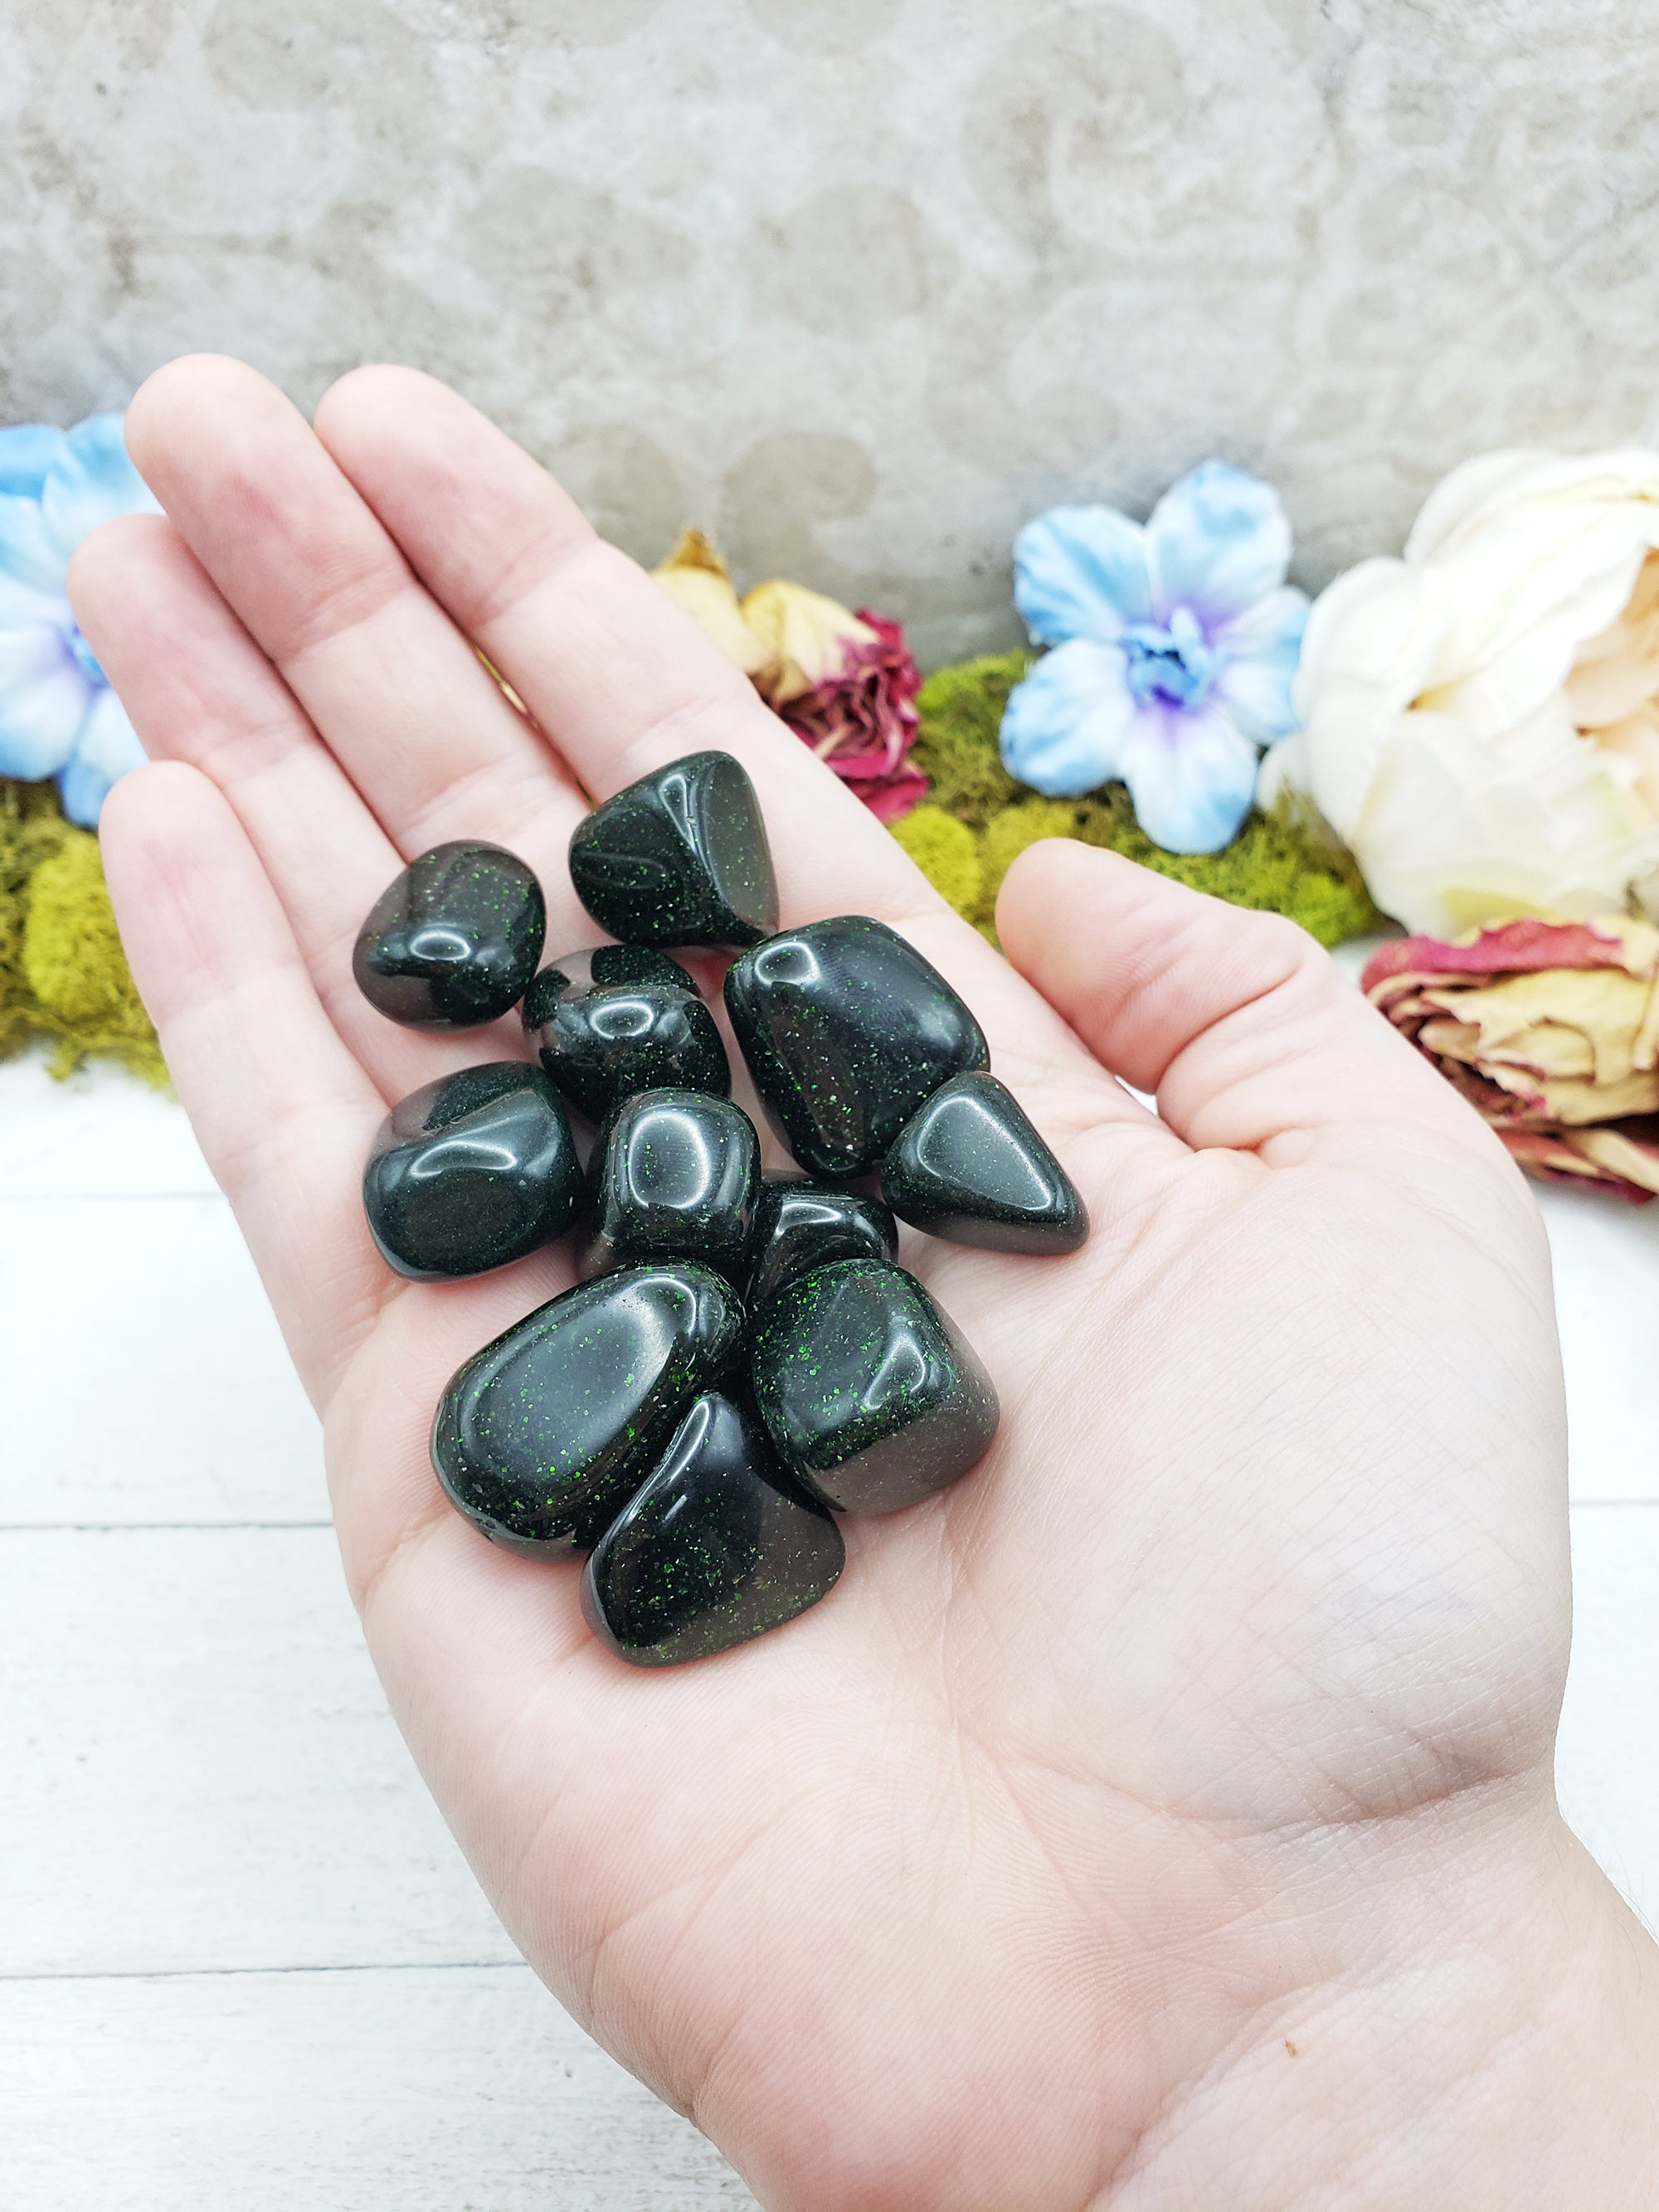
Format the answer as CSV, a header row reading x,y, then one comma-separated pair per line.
x,y
871,1395
720,1544
800,1225
676,1175
542,1438
969,1166
472,1172
847,1029
679,857
453,941
622,1019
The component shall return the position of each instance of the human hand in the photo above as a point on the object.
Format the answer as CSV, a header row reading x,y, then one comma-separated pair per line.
x,y
1161,1817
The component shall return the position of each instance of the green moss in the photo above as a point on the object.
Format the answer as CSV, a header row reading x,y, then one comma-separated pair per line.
x,y
63,973
1006,836
947,852
958,746
1273,864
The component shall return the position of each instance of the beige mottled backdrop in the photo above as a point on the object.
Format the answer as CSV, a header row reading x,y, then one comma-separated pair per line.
x,y
860,284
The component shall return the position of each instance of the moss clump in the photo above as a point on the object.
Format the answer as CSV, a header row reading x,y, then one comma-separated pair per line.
x,y
1273,863
947,852
958,746
63,973
1006,836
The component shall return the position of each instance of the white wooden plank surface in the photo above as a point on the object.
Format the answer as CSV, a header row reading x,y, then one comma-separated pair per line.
x,y
241,1964
201,1767
1607,1760
184,1407
421,2091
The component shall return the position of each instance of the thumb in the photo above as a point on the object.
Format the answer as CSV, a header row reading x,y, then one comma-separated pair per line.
x,y
1244,1028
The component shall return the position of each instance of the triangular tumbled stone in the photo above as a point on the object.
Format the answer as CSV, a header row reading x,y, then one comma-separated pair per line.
x,y
720,1544
968,1166
679,857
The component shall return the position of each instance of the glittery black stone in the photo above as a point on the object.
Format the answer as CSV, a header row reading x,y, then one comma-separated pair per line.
x,y
800,1225
454,940
679,857
847,1029
870,1393
720,1544
622,1018
473,1171
969,1166
676,1176
544,1435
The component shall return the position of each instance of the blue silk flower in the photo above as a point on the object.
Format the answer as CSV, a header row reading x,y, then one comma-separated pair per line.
x,y
1174,645
58,714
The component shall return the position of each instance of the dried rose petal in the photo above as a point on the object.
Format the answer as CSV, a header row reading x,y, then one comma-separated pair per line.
x,y
1551,1031
862,719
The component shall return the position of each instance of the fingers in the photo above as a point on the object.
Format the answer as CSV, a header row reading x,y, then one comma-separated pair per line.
x,y
623,681
1245,1030
199,690
620,678
419,727
284,1114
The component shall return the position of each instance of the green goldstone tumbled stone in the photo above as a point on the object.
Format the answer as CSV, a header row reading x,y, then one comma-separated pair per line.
x,y
969,1166
870,1393
847,1029
675,1175
620,1018
679,857
543,1436
452,941
471,1172
720,1544
800,1225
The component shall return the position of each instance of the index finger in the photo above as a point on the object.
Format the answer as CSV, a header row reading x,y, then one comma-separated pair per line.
x,y
622,680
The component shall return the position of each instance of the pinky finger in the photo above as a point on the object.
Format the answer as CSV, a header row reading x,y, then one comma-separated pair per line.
x,y
282,1111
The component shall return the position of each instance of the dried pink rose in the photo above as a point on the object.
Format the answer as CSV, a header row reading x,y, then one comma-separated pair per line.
x,y
844,683
1551,1030
862,719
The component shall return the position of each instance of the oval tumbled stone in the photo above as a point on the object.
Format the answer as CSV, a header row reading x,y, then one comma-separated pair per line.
x,y
542,1438
678,858
471,1172
621,1018
675,1175
799,1224
870,1393
452,942
847,1029
968,1165
720,1544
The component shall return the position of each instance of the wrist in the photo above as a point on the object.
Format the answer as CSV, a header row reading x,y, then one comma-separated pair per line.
x,y
1492,2039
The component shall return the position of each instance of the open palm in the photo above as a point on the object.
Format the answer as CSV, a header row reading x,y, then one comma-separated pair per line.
x,y
1010,1870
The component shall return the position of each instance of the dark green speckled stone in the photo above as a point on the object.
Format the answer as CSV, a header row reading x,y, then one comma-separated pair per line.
x,y
676,1176
720,1544
870,1393
543,1436
679,857
472,1172
622,1019
453,941
969,1166
847,1029
799,1224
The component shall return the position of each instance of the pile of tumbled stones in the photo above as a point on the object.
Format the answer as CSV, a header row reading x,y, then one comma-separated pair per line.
x,y
742,1357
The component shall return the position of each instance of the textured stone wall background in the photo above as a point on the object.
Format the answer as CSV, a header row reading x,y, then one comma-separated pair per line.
x,y
860,284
